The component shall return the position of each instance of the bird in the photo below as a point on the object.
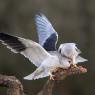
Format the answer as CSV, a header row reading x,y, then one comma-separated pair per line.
x,y
44,55
48,39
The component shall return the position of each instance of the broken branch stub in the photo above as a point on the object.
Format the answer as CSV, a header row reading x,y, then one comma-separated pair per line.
x,y
61,73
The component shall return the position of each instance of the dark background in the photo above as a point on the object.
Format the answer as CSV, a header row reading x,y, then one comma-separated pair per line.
x,y
74,20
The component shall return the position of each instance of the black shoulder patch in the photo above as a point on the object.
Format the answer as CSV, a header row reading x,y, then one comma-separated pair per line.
x,y
12,41
50,43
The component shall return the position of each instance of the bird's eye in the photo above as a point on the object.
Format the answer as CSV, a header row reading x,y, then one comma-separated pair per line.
x,y
76,45
69,61
59,51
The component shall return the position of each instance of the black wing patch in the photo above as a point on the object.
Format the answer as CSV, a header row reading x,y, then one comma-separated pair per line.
x,y
47,35
12,41
50,43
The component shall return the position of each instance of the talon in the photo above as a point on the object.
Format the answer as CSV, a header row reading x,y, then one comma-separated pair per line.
x,y
51,77
74,65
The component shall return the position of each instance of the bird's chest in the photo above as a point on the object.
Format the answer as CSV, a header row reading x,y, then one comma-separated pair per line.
x,y
52,62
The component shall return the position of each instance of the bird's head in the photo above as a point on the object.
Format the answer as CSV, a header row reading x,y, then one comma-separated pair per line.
x,y
69,50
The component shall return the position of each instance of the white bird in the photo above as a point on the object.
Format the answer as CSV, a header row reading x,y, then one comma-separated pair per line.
x,y
48,38
43,55
46,63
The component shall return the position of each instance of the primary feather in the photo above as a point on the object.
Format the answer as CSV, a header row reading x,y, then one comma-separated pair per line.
x,y
46,33
30,49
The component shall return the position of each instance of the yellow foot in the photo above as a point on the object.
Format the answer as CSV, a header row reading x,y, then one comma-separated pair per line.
x,y
52,78
74,66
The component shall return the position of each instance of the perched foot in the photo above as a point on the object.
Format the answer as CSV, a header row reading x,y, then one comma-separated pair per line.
x,y
51,76
75,65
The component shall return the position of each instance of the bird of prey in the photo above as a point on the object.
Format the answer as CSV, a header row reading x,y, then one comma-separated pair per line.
x,y
48,38
45,56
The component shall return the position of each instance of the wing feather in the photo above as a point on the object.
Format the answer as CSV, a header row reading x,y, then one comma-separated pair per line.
x,y
46,33
30,49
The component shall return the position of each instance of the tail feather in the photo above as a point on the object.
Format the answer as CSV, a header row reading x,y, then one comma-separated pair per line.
x,y
38,73
29,77
42,75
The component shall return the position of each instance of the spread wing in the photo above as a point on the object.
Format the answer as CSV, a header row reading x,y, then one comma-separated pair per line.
x,y
38,73
46,33
30,49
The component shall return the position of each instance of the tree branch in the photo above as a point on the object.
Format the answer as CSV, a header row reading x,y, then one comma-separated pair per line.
x,y
14,86
60,74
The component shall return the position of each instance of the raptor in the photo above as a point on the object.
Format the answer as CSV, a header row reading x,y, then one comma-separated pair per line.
x,y
44,55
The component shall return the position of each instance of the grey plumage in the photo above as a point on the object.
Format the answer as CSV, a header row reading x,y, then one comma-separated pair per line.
x,y
46,33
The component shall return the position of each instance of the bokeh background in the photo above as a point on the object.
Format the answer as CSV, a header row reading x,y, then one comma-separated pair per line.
x,y
74,20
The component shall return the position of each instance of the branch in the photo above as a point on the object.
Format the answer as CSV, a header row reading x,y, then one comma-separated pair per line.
x,y
48,87
14,86
60,74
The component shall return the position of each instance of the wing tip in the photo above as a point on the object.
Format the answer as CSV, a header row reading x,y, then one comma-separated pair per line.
x,y
28,78
12,42
3,34
39,14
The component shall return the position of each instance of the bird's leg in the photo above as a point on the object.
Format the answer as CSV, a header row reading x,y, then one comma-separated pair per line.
x,y
51,76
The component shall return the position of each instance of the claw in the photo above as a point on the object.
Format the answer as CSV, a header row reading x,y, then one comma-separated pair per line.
x,y
74,66
51,76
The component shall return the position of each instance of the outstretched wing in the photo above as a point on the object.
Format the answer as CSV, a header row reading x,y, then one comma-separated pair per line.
x,y
47,35
30,49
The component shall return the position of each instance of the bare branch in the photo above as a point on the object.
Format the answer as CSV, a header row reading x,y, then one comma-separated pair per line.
x,y
14,86
60,74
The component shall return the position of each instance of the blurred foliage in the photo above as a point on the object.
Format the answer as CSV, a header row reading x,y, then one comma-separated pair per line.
x,y
75,22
